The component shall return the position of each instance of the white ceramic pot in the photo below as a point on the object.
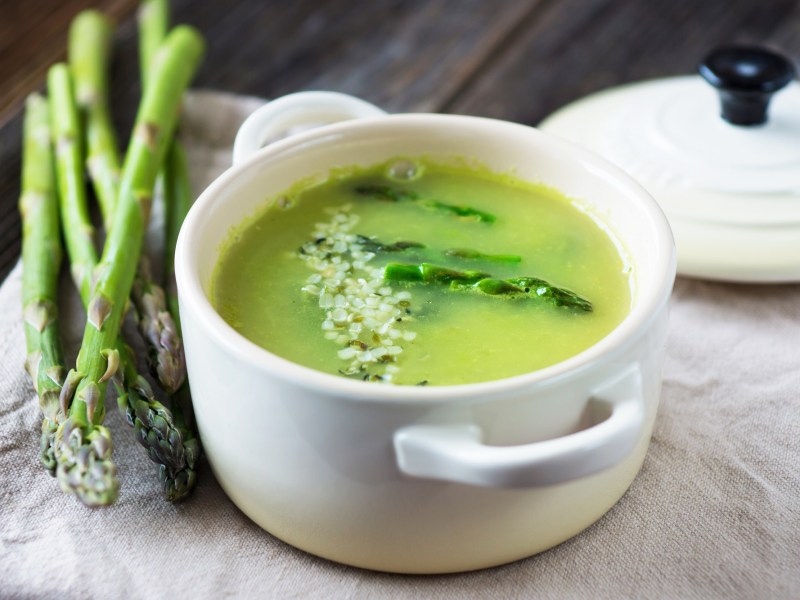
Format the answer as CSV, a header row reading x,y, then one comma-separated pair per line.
x,y
426,479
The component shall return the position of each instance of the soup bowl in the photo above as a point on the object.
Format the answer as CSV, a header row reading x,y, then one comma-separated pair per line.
x,y
417,479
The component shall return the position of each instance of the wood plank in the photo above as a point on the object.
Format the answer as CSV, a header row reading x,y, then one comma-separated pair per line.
x,y
38,42
400,55
576,47
416,57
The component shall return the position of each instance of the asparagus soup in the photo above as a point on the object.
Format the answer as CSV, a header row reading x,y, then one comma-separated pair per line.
x,y
418,273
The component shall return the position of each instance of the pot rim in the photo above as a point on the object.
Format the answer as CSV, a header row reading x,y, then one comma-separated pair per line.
x,y
193,298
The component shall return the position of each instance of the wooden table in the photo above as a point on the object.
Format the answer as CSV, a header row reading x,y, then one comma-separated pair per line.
x,y
511,59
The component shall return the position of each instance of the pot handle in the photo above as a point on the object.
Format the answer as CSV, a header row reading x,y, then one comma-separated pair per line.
x,y
294,113
456,453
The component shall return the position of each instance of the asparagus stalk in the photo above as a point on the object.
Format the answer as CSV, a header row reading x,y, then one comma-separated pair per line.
x,y
69,176
152,422
89,45
82,447
558,296
41,261
390,194
177,482
158,325
372,244
89,51
75,211
158,329
97,362
428,273
153,19
515,287
468,253
177,200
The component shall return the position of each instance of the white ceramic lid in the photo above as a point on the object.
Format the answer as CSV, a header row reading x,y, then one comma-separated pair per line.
x,y
731,192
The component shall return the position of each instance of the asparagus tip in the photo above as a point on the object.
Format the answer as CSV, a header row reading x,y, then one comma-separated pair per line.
x,y
84,467
47,454
177,485
153,424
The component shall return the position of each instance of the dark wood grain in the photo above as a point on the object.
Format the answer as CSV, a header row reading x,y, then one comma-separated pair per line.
x,y
511,59
33,36
576,47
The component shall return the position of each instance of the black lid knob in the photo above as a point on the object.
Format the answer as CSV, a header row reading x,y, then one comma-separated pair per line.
x,y
746,77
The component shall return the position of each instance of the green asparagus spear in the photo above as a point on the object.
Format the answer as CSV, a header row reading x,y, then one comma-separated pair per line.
x,y
75,211
160,323
515,287
153,25
153,17
177,481
559,296
158,329
371,244
83,453
390,194
152,421
477,255
386,193
41,260
97,362
89,50
428,273
492,287
69,162
178,200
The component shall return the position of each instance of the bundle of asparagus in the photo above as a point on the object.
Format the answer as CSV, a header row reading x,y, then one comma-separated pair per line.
x,y
75,445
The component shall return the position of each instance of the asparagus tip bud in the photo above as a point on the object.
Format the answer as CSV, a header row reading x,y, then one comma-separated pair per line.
x,y
177,485
85,468
47,454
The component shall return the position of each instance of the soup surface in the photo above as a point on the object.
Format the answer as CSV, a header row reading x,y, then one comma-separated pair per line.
x,y
417,273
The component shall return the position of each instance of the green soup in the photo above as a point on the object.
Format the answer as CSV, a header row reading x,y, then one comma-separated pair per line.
x,y
417,273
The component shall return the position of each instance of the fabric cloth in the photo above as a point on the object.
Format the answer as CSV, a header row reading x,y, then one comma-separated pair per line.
x,y
714,513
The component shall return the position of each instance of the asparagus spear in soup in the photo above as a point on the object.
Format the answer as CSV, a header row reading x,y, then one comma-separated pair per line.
x,y
515,287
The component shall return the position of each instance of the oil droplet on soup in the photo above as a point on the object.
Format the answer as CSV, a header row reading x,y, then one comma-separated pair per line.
x,y
417,273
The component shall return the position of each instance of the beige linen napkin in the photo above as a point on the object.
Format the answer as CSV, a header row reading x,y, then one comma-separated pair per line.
x,y
715,512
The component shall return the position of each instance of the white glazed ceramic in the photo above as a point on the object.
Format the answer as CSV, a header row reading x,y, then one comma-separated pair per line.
x,y
426,479
731,193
